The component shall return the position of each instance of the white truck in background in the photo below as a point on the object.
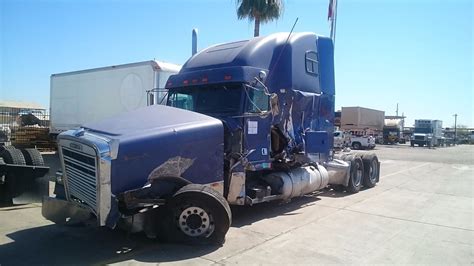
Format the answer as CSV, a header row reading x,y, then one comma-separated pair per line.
x,y
362,142
348,139
427,133
94,94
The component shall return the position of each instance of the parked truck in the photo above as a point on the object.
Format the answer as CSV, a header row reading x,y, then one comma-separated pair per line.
x,y
246,122
427,132
392,131
91,95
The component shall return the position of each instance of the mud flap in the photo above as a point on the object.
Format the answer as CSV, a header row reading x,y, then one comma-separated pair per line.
x,y
33,191
23,182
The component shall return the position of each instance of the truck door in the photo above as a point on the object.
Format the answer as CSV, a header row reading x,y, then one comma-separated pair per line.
x,y
257,126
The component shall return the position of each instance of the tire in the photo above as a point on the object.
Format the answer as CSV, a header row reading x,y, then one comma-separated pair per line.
x,y
356,174
33,157
370,170
356,146
13,156
197,215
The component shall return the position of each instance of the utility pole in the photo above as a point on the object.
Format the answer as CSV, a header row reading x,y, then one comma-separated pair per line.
x,y
397,110
455,131
403,120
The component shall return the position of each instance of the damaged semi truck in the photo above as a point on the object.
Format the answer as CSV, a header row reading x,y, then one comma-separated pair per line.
x,y
246,122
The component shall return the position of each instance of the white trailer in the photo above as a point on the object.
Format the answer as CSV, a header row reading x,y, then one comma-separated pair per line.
x,y
94,94
360,118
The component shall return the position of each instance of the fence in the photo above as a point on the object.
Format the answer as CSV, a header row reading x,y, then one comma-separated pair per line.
x,y
25,128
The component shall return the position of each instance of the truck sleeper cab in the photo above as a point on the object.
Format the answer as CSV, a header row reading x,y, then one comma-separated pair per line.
x,y
246,122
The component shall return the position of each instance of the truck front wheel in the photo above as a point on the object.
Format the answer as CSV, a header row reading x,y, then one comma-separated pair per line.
x,y
197,215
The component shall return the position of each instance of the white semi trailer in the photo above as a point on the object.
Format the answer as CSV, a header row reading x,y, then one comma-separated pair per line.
x,y
91,95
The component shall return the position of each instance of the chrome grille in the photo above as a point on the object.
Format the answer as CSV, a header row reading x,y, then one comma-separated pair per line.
x,y
419,138
81,181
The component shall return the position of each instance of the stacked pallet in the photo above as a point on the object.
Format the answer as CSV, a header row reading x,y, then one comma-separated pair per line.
x,y
33,137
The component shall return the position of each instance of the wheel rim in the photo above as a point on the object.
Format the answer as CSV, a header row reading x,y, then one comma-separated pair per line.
x,y
373,171
195,222
358,175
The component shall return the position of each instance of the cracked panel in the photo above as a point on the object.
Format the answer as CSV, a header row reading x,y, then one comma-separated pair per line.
x,y
173,167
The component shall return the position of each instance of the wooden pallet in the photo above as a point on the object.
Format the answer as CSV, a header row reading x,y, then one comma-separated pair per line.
x,y
33,137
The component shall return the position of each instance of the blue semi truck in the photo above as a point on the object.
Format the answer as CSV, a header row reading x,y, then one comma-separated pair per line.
x,y
245,122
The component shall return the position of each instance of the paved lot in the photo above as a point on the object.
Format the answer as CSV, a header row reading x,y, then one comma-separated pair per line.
x,y
421,212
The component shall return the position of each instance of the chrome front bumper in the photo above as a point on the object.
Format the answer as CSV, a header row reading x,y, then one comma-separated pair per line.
x,y
61,211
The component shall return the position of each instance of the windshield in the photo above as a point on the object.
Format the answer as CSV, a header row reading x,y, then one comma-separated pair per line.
x,y
208,99
423,130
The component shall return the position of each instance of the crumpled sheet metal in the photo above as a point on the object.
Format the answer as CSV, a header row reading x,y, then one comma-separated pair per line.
x,y
305,111
173,167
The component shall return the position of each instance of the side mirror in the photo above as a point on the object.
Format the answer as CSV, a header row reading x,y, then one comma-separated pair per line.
x,y
151,98
262,75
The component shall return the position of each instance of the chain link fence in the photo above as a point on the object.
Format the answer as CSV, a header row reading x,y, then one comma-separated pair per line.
x,y
25,128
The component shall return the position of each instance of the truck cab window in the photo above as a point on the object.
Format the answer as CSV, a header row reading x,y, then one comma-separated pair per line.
x,y
182,101
257,101
208,99
312,63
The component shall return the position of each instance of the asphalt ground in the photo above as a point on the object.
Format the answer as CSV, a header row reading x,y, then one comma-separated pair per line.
x,y
421,212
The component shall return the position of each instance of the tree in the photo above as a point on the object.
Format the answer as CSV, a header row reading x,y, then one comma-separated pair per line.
x,y
260,11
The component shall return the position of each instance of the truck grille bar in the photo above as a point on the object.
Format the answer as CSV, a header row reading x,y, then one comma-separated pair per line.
x,y
81,179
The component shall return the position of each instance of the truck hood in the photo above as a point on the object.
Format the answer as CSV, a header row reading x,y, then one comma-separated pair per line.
x,y
148,120
158,141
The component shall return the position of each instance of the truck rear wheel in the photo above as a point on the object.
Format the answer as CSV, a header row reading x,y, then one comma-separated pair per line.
x,y
197,215
370,170
356,173
33,157
12,156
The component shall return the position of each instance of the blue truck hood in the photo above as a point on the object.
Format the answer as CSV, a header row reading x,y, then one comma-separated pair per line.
x,y
161,140
148,120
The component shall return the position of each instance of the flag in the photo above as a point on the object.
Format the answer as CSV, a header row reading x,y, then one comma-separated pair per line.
x,y
331,10
332,15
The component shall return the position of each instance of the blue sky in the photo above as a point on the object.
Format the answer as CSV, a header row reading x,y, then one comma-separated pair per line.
x,y
416,53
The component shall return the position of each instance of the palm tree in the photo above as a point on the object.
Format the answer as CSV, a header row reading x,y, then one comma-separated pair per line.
x,y
261,11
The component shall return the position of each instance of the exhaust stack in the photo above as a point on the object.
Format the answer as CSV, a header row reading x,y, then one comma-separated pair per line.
x,y
194,42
